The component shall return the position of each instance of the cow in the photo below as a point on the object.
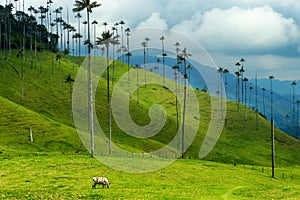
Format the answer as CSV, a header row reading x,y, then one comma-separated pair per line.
x,y
101,181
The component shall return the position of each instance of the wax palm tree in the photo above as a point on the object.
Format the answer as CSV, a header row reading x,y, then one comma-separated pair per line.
x,y
106,40
78,37
122,23
56,11
242,70
250,94
87,5
245,80
78,15
225,72
127,32
220,71
85,37
293,111
271,94
144,45
73,30
35,11
69,80
95,38
237,73
147,56
31,9
184,56
162,38
105,24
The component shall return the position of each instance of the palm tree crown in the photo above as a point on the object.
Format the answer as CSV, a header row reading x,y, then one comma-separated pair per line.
x,y
80,5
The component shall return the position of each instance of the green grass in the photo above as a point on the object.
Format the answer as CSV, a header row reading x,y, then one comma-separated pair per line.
x,y
70,177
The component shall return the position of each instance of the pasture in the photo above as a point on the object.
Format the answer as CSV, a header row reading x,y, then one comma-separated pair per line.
x,y
57,176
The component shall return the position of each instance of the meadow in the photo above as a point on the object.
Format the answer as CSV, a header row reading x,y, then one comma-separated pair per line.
x,y
57,176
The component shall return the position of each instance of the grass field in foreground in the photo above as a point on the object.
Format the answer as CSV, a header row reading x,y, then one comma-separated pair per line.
x,y
70,177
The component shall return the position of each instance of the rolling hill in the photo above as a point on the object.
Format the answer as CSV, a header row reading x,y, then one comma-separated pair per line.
x,y
45,109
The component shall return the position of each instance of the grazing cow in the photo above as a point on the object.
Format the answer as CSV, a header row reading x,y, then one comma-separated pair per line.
x,y
101,181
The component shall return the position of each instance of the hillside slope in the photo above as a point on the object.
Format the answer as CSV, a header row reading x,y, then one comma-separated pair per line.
x,y
241,141
48,135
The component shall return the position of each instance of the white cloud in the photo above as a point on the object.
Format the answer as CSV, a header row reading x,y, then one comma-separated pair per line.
x,y
237,28
154,21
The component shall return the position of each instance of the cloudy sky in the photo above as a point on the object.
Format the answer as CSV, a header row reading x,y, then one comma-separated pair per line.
x,y
266,33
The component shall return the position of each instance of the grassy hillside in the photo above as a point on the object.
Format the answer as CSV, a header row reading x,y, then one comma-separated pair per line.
x,y
48,135
240,142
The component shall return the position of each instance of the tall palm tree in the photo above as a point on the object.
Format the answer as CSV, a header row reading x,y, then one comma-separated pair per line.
x,y
271,94
122,23
238,74
78,15
293,99
31,9
177,49
70,81
263,94
250,94
79,6
105,24
162,38
106,40
225,72
220,71
272,126
245,80
85,37
144,45
95,38
35,11
147,56
242,70
73,30
184,56
127,32
78,36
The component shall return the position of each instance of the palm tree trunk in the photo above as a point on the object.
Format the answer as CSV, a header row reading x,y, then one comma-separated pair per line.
x,y
183,112
90,92
108,101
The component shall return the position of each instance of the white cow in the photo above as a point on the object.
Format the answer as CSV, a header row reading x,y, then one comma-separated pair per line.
x,y
101,181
